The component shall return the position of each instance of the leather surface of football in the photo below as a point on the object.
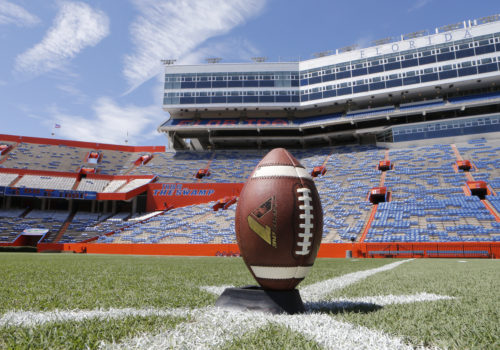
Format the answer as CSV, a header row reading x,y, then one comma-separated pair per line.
x,y
279,221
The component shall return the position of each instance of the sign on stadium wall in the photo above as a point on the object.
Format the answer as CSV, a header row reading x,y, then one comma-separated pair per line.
x,y
40,192
164,195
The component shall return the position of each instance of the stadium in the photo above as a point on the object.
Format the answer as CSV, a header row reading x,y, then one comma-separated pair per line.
x,y
402,139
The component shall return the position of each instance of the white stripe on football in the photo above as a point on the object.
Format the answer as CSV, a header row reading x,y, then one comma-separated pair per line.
x,y
281,171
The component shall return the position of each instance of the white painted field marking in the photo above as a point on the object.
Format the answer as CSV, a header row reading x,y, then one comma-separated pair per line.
x,y
401,299
332,334
318,291
209,327
34,318
213,327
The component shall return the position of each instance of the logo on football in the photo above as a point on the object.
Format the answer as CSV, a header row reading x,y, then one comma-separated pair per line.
x,y
279,221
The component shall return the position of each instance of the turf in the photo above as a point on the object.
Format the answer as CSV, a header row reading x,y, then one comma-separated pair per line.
x,y
272,337
467,322
44,282
81,335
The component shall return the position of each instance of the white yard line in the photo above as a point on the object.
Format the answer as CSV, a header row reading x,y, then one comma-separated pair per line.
x,y
34,318
401,299
213,327
332,334
209,327
318,291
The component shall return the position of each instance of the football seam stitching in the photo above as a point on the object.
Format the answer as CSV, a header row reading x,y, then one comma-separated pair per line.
x,y
308,225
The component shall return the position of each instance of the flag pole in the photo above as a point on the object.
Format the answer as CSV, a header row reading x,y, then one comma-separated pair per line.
x,y
54,127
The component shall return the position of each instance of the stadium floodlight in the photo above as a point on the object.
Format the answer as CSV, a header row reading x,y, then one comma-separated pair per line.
x,y
349,48
382,41
259,59
322,53
415,34
488,19
168,62
213,60
450,27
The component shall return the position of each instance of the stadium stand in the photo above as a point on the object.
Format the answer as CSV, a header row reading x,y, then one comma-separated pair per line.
x,y
428,202
46,182
133,184
45,157
12,224
77,229
366,113
175,166
192,224
112,186
108,225
66,158
8,218
6,179
92,185
474,98
420,105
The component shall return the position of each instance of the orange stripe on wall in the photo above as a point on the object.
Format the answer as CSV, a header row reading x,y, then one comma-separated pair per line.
x,y
326,250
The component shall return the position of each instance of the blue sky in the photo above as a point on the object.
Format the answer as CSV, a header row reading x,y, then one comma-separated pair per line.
x,y
94,66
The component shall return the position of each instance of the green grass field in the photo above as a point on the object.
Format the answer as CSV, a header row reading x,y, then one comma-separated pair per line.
x,y
157,302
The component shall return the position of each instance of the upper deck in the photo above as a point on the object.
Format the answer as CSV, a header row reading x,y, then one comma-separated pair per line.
x,y
452,56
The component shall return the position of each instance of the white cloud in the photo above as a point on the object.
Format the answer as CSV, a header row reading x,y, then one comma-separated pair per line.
x,y
76,27
14,14
71,90
110,122
172,29
418,4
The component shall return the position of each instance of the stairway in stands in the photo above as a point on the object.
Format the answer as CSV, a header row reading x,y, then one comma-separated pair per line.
x,y
63,228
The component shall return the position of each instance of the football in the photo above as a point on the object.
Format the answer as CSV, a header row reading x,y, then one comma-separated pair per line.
x,y
279,221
